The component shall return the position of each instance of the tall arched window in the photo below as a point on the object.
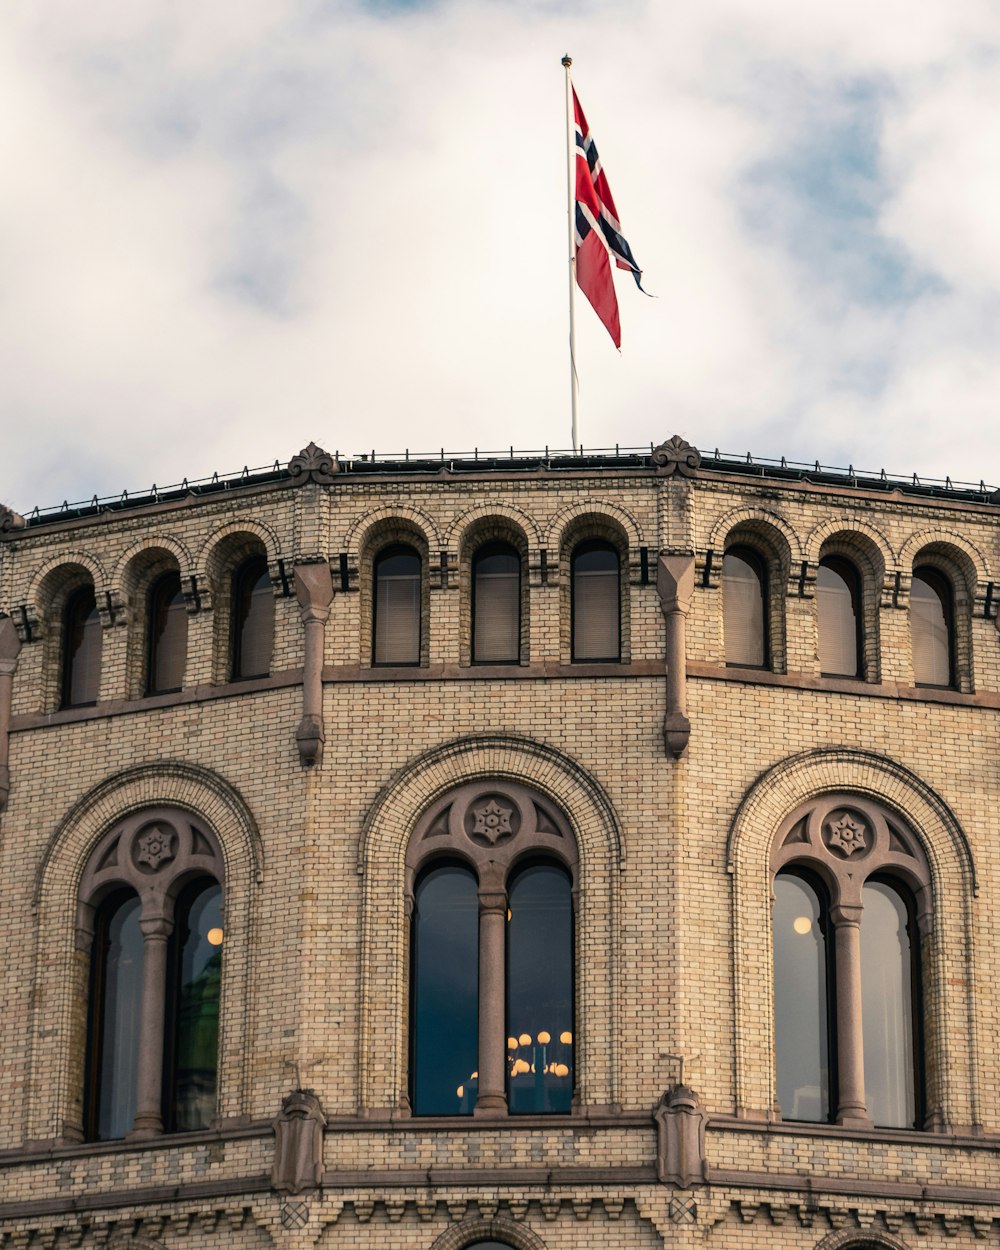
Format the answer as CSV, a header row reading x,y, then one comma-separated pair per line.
x,y
496,604
596,602
838,617
932,627
151,899
492,1016
396,625
744,608
851,890
82,645
167,635
252,620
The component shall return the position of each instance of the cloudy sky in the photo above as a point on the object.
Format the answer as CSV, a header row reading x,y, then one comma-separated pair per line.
x,y
229,228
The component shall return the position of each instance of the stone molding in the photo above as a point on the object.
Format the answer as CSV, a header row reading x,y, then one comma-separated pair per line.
x,y
676,455
313,464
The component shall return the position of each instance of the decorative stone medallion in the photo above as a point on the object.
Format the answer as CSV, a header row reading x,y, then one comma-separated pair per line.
x,y
491,822
154,847
847,834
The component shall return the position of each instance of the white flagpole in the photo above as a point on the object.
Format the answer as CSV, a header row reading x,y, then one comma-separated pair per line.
x,y
574,384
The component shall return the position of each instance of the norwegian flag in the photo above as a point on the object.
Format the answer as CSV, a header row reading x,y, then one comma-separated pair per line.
x,y
598,231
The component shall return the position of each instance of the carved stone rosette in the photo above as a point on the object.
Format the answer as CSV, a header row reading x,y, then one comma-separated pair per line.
x,y
676,455
313,464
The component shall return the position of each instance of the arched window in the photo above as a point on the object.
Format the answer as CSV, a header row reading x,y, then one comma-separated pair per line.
x,y
596,602
838,613
396,626
932,627
82,645
167,636
851,883
151,895
745,608
496,604
492,976
252,620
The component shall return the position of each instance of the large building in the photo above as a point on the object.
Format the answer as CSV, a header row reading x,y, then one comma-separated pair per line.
x,y
528,852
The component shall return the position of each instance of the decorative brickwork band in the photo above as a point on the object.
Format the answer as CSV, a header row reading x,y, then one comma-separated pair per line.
x,y
675,585
314,591
10,647
298,1143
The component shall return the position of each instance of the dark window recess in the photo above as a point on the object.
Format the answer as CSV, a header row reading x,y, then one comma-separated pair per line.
x,y
932,628
839,618
745,608
644,565
444,1008
596,602
167,640
496,605
345,573
252,619
396,627
82,646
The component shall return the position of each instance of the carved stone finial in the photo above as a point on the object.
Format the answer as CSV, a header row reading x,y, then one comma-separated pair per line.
x,y
313,464
10,520
680,1138
677,456
298,1143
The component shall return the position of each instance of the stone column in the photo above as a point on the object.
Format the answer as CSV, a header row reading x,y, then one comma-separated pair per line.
x,y
851,1107
492,1099
314,591
148,1121
10,649
675,585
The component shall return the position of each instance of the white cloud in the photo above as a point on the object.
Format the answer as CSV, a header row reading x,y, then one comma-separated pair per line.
x,y
236,229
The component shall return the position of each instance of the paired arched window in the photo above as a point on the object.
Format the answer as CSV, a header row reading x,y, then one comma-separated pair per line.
x,y
166,638
397,606
82,646
492,1025
596,601
851,891
496,604
932,627
839,618
151,897
745,608
251,620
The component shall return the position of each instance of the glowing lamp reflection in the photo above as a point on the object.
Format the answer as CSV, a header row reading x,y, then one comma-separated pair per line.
x,y
214,937
802,924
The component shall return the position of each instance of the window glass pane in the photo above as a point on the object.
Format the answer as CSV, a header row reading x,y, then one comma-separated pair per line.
x,y
540,991
837,618
117,980
82,649
195,1043
253,620
744,603
167,635
397,607
887,1013
496,605
445,993
930,628
801,1020
595,602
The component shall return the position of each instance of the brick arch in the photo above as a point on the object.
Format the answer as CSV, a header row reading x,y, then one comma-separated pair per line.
x,y
968,558
861,1239
952,1040
256,529
750,518
385,942
46,580
356,538
52,1103
599,509
519,1236
131,558
456,535
870,541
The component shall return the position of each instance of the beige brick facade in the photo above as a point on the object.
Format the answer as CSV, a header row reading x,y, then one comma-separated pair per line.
x,y
673,945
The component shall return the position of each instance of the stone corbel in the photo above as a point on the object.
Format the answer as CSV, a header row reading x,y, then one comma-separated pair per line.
x,y
10,648
314,591
298,1143
675,586
680,1138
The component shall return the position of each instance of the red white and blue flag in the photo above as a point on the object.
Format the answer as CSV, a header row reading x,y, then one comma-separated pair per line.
x,y
598,231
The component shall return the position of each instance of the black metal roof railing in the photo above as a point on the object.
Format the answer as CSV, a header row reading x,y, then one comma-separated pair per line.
x,y
511,460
